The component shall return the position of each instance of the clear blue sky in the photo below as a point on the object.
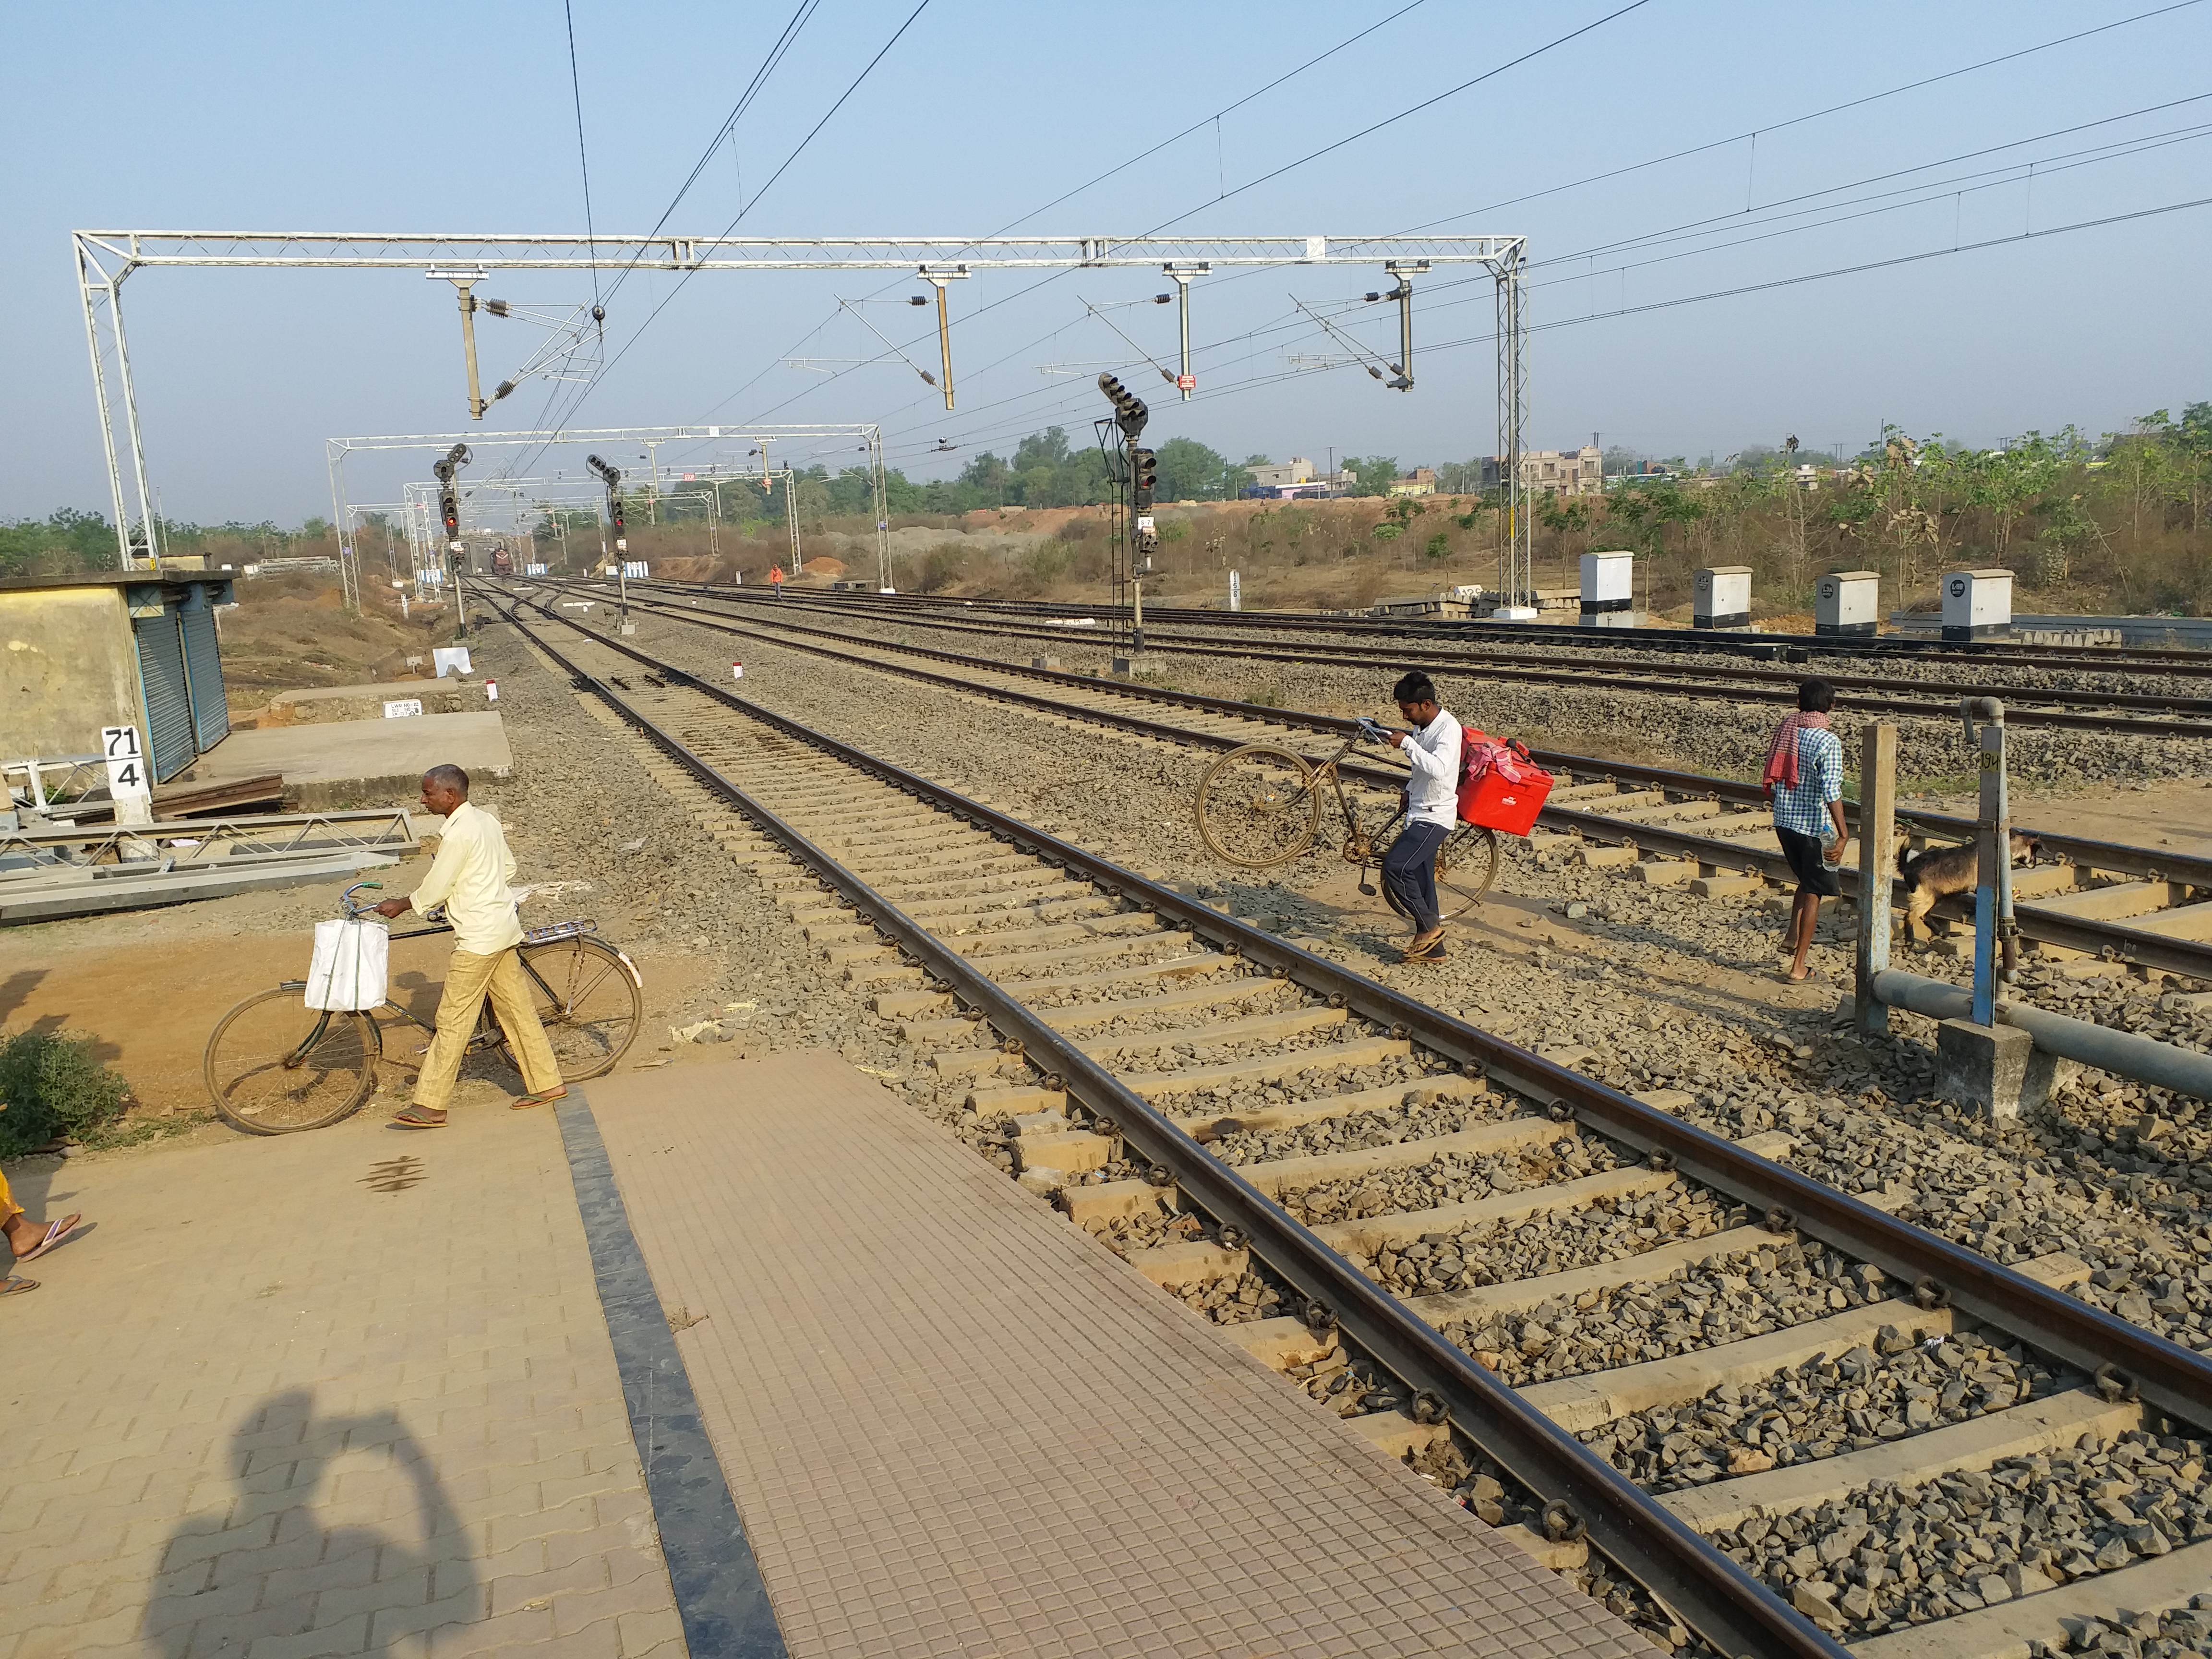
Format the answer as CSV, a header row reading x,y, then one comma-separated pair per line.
x,y
437,117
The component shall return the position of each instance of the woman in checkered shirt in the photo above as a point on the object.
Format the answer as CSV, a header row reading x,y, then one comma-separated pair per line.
x,y
1804,780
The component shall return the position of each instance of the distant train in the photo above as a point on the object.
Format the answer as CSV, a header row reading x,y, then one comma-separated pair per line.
x,y
502,563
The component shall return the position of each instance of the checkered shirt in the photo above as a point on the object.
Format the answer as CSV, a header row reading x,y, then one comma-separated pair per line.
x,y
1819,781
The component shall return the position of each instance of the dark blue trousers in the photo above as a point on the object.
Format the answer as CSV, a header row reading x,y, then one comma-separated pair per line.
x,y
1409,871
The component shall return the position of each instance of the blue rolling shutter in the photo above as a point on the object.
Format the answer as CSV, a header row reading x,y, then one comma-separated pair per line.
x,y
168,702
203,672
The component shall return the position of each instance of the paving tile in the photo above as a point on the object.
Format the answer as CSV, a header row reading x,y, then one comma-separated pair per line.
x,y
903,1349
256,1373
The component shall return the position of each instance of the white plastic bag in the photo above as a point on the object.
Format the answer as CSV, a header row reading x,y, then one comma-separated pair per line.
x,y
349,966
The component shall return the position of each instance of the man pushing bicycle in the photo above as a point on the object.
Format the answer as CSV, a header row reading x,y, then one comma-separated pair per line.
x,y
471,877
1409,868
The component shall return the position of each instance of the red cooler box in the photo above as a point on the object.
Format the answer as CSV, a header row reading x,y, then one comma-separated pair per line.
x,y
1510,809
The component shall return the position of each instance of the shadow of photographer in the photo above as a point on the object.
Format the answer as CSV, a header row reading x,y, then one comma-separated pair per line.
x,y
268,1566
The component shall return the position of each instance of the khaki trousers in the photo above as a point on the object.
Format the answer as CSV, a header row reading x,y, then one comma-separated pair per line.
x,y
469,979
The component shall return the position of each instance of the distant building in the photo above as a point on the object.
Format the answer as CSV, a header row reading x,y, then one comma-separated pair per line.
x,y
1272,479
1421,481
1551,471
1563,472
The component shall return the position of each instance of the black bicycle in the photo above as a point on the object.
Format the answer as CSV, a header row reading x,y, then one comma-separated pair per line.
x,y
274,1066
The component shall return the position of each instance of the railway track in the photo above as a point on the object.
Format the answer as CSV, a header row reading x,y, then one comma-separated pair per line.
x,y
1188,1087
2084,898
1903,649
2072,708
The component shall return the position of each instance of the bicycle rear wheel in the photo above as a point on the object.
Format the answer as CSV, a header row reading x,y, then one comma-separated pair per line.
x,y
1467,864
274,1066
1258,806
586,999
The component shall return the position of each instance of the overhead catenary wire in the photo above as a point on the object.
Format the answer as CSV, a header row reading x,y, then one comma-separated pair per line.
x,y
1259,381
1825,111
1935,191
744,208
1121,167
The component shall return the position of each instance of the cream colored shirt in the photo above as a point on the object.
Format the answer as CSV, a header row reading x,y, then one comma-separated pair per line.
x,y
471,877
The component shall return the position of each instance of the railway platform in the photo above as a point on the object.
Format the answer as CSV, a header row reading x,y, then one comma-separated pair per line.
x,y
950,1423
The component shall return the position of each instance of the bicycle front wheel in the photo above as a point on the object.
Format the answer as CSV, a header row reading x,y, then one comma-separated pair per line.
x,y
274,1066
587,1000
1259,805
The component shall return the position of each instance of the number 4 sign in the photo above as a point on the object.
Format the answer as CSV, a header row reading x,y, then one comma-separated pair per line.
x,y
127,782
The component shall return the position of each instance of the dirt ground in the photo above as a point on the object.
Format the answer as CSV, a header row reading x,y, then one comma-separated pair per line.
x,y
2175,812
148,986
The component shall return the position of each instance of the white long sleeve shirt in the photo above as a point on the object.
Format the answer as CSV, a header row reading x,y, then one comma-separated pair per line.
x,y
471,877
1432,793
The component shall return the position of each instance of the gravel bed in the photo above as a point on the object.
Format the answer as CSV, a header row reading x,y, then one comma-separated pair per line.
x,y
1188,1056
1609,1230
1899,1385
1892,1556
1265,996
1323,1082
1420,1121
1724,1298
1449,1180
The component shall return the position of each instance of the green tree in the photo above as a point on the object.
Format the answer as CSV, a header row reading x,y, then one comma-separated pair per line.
x,y
1189,472
1375,474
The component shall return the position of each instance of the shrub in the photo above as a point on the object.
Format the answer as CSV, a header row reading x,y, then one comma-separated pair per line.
x,y
53,1085
941,567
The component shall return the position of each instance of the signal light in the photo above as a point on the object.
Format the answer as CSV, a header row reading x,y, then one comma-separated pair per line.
x,y
449,509
1144,470
1129,412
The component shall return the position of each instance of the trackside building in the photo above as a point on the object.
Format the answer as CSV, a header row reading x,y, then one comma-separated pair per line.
x,y
78,653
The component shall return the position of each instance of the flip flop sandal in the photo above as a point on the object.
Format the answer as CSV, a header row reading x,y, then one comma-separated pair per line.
x,y
528,1101
17,1286
413,1118
55,1234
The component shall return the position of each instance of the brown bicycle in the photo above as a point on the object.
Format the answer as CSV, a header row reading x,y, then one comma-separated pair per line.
x,y
274,1066
1261,806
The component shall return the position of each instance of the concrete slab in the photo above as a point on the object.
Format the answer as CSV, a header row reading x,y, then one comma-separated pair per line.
x,y
955,1426
344,1392
368,752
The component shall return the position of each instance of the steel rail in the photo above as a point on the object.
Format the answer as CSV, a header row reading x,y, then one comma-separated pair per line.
x,y
1785,680
2038,922
1719,1600
2177,659
1932,706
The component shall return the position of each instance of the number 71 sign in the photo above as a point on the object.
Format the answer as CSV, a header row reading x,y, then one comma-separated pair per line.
x,y
127,780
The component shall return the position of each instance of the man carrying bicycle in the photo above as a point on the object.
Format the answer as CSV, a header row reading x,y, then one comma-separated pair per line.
x,y
1409,868
471,877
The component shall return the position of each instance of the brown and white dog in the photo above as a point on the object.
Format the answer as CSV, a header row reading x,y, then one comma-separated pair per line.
x,y
1941,871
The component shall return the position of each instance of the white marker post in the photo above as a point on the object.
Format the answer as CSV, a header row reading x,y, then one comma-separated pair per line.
x,y
1236,590
491,691
128,784
737,671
